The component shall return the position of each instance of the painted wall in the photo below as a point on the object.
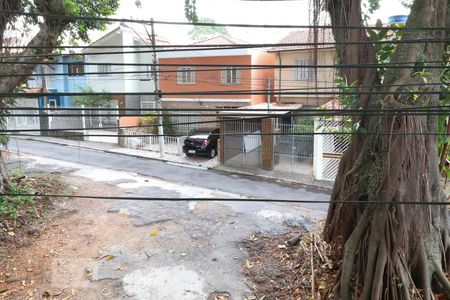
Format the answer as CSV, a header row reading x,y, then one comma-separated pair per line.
x,y
325,76
135,79
210,79
59,83
260,76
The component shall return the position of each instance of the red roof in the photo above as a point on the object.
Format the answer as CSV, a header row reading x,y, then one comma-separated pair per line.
x,y
305,36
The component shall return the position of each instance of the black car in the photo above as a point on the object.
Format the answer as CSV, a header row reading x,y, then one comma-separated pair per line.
x,y
202,141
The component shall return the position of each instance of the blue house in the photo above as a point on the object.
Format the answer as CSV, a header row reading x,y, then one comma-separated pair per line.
x,y
72,80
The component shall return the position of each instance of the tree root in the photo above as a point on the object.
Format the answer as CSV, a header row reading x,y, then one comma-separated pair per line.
x,y
440,276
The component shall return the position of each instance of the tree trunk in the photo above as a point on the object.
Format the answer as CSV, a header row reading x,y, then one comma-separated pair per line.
x,y
49,32
390,251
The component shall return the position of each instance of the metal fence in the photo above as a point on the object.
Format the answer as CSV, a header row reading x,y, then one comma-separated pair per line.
x,y
87,119
183,125
293,152
135,140
242,143
328,148
23,122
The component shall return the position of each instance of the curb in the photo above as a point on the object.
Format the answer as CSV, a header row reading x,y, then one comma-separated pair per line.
x,y
243,173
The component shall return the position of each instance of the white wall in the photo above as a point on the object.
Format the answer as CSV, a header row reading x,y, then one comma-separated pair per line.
x,y
120,83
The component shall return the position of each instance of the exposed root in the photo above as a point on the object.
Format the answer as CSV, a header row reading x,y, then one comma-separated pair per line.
x,y
350,253
440,276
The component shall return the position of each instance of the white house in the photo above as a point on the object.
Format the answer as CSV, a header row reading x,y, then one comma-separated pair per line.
x,y
136,78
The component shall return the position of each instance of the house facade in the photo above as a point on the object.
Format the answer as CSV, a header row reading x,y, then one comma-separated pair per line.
x,y
67,76
190,73
306,79
135,78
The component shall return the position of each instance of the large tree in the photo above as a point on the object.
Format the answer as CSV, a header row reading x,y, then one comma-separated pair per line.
x,y
394,250
51,23
391,251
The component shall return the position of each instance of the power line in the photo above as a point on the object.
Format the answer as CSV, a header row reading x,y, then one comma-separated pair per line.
x,y
244,109
304,201
239,46
170,71
230,92
260,66
190,47
148,22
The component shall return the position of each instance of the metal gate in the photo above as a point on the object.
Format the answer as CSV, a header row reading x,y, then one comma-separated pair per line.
x,y
294,146
242,143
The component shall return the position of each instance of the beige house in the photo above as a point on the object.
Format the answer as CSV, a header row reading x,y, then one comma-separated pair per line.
x,y
299,85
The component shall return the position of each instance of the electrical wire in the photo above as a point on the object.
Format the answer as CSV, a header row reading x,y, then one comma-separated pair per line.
x,y
221,92
304,201
257,66
148,22
239,46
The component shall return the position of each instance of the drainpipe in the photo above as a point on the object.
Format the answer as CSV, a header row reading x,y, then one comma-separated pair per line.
x,y
279,76
268,93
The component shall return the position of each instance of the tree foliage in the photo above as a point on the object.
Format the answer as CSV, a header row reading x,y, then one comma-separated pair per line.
x,y
202,32
42,33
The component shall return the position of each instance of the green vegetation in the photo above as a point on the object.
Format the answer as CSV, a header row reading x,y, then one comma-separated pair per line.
x,y
91,100
152,119
23,193
203,32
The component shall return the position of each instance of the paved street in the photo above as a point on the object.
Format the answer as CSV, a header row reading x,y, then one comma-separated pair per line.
x,y
196,247
251,188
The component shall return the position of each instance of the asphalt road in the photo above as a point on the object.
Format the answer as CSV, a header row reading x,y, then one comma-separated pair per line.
x,y
197,248
221,181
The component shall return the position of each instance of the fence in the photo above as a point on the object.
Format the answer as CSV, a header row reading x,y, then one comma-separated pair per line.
x,y
23,122
242,143
136,140
292,151
328,148
87,119
189,122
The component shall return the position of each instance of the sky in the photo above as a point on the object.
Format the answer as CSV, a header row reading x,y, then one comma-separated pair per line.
x,y
295,12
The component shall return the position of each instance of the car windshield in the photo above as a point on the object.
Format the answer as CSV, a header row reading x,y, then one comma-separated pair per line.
x,y
201,131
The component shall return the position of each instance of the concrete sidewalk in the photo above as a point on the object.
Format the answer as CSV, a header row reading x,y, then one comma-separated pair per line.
x,y
195,162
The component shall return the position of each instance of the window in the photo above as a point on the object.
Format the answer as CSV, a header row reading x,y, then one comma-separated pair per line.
x,y
147,104
231,75
185,75
76,69
304,71
104,70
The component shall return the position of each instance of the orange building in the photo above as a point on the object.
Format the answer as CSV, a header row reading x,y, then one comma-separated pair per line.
x,y
215,78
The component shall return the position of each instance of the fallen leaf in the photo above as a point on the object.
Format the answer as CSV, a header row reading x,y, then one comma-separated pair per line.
x,y
153,232
107,257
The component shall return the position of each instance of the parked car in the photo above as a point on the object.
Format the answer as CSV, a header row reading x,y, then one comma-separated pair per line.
x,y
202,141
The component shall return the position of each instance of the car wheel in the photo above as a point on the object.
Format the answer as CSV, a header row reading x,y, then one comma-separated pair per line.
x,y
212,153
188,154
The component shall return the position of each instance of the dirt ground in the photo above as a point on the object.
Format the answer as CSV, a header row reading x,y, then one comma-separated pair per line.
x,y
277,269
53,259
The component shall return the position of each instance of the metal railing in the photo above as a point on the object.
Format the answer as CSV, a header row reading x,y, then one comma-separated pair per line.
x,y
139,140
